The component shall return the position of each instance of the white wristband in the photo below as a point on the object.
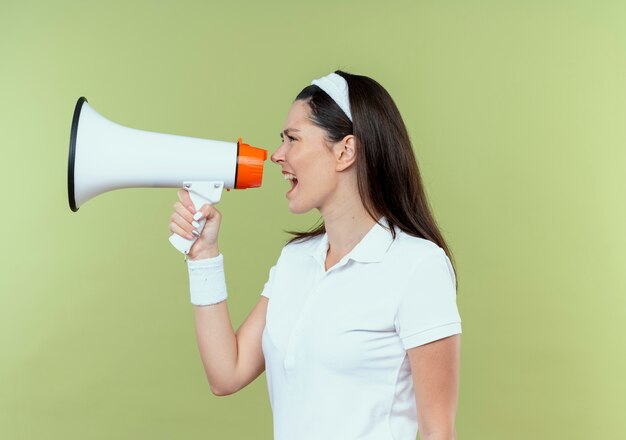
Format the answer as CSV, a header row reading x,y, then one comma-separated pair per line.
x,y
207,283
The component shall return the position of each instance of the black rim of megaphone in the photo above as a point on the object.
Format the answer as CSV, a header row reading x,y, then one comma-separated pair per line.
x,y
70,162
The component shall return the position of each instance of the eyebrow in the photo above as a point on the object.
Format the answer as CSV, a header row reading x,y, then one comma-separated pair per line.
x,y
286,131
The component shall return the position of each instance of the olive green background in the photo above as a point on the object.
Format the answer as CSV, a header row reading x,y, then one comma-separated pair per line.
x,y
517,115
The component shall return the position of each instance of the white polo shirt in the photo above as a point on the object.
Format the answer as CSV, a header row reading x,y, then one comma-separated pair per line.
x,y
335,342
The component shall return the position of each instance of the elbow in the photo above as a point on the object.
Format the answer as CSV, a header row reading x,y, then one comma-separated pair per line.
x,y
220,388
440,435
221,391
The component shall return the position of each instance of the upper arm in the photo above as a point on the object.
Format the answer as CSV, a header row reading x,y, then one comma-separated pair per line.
x,y
429,325
427,310
250,359
435,368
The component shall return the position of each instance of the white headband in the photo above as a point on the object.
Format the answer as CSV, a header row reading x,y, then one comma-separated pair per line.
x,y
336,87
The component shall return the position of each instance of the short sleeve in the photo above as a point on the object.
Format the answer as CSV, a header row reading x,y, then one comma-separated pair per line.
x,y
269,283
427,309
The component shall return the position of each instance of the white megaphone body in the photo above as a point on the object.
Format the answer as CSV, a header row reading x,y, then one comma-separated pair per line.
x,y
105,156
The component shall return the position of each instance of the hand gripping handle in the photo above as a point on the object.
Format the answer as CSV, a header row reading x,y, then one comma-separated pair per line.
x,y
200,193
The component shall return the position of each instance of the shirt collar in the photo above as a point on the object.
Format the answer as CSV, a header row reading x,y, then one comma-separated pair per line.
x,y
370,249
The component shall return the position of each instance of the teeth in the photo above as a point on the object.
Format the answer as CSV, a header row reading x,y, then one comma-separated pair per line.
x,y
289,176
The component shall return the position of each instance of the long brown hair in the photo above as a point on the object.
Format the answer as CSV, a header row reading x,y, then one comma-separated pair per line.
x,y
389,180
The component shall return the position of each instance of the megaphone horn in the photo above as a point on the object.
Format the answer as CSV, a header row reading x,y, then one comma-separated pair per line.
x,y
104,156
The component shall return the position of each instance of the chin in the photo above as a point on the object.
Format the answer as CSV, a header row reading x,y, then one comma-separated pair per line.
x,y
298,211
295,209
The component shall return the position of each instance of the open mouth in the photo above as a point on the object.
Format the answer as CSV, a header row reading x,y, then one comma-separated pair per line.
x,y
293,180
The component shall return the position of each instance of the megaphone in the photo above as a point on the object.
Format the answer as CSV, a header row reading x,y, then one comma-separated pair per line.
x,y
105,156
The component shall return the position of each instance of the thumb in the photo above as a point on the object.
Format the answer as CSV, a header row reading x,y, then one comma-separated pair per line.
x,y
207,211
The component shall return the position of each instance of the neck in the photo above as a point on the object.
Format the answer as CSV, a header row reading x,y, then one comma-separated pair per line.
x,y
346,226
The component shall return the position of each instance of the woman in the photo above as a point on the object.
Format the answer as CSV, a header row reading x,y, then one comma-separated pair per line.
x,y
361,336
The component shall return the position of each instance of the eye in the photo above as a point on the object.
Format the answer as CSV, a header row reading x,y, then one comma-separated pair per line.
x,y
291,138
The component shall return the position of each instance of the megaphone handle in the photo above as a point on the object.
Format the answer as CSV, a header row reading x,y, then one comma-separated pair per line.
x,y
200,193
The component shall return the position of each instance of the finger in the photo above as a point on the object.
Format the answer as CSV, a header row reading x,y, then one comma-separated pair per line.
x,y
183,224
183,212
209,211
175,229
203,212
185,199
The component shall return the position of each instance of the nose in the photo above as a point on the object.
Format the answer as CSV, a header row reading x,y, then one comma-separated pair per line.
x,y
278,157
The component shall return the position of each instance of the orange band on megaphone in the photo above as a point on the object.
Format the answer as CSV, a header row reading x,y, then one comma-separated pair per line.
x,y
250,160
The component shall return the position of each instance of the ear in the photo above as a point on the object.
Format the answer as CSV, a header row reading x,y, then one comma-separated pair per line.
x,y
345,152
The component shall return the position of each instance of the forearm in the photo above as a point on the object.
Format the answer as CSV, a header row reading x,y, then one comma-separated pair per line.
x,y
217,341
217,344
